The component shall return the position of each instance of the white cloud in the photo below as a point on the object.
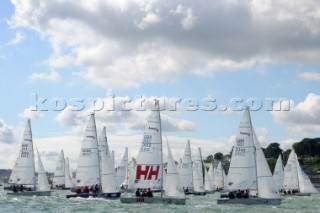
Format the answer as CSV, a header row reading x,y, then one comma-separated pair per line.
x,y
51,76
137,42
310,76
303,118
31,113
19,37
6,133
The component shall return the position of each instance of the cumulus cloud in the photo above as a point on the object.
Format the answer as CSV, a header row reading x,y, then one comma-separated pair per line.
x,y
50,76
310,76
139,42
31,113
6,133
303,118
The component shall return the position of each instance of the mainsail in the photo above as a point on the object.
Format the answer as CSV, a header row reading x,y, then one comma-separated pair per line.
x,y
122,169
68,181
242,172
24,168
149,166
59,173
88,171
185,168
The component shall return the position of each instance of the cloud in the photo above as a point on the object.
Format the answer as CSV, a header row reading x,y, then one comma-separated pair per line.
x,y
31,113
51,76
310,76
17,39
302,118
122,44
6,133
125,113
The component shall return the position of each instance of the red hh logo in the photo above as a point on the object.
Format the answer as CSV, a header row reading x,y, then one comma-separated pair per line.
x,y
147,172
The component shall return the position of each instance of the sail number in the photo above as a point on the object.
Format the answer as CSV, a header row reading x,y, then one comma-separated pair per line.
x,y
240,142
240,152
146,143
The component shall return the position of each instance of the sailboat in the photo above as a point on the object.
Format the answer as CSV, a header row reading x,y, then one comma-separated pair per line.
x,y
249,170
208,183
58,180
278,173
198,185
219,177
89,173
211,175
295,179
149,167
173,189
23,176
185,170
122,170
69,184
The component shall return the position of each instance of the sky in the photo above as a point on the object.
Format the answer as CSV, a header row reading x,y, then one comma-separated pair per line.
x,y
204,60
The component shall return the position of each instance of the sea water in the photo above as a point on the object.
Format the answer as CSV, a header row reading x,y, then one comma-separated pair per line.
x,y
59,203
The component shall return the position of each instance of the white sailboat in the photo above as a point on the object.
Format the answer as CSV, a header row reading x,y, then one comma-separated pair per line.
x,y
68,181
58,180
278,173
173,189
122,170
296,179
198,183
207,182
247,170
185,169
129,181
211,175
89,173
43,184
23,176
149,168
219,177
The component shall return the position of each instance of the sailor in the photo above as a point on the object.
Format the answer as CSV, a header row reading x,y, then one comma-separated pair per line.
x,y
138,192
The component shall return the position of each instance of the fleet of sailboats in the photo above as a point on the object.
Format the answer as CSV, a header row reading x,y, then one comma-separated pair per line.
x,y
249,179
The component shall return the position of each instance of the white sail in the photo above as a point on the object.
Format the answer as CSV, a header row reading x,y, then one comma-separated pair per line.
x,y
149,161
113,161
211,175
122,168
291,180
131,175
173,186
207,181
43,184
24,168
278,173
59,172
198,160
68,181
185,168
266,186
197,178
108,180
88,171
242,172
305,184
219,177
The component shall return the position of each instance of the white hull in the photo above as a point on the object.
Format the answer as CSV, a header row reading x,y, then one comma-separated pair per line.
x,y
30,193
250,201
173,200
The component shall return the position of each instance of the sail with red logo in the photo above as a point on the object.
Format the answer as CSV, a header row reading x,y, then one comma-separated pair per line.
x,y
149,160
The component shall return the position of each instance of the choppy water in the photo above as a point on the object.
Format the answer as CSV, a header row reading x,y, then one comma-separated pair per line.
x,y
58,203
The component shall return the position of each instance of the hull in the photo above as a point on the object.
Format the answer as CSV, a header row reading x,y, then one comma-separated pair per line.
x,y
210,192
30,193
297,194
196,193
173,200
250,201
114,195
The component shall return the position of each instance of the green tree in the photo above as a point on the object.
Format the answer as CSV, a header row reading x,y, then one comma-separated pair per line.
x,y
273,150
218,156
209,159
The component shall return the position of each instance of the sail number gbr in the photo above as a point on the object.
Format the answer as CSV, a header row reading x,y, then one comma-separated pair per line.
x,y
146,143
